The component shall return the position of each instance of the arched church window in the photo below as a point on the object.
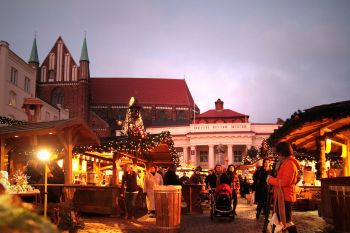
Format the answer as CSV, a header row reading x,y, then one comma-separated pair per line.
x,y
57,97
52,75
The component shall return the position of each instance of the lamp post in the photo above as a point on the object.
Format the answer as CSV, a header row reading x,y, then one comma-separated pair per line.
x,y
44,155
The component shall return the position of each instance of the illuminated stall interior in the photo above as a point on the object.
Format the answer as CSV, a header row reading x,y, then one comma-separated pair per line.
x,y
321,138
20,143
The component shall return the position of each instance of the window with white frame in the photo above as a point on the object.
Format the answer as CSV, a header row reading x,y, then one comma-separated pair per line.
x,y
27,84
14,74
12,99
237,156
203,156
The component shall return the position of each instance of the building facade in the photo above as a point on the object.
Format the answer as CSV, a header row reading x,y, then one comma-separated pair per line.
x,y
219,136
18,89
103,102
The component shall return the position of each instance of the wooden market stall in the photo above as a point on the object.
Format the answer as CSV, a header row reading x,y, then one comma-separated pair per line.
x,y
20,143
316,134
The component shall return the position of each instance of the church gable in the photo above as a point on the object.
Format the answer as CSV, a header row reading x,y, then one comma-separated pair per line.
x,y
59,65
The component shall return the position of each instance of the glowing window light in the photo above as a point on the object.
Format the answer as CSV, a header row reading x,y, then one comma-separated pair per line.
x,y
75,165
83,165
328,145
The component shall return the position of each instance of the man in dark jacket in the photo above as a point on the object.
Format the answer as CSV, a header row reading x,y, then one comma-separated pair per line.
x,y
129,185
214,179
196,177
170,177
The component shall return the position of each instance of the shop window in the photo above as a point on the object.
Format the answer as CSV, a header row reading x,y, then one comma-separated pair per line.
x,y
57,97
203,156
12,99
237,156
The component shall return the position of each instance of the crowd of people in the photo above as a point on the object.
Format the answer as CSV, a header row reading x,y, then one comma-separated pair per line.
x,y
283,179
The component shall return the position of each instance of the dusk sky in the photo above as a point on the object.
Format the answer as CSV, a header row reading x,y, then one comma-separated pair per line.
x,y
265,58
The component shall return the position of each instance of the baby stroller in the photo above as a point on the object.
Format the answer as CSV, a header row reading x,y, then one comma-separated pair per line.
x,y
221,202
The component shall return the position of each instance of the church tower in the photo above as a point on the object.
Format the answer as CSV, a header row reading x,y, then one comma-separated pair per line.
x,y
62,82
34,59
84,78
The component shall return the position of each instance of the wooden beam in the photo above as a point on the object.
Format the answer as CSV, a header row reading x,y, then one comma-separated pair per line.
x,y
115,176
2,154
28,133
322,155
68,173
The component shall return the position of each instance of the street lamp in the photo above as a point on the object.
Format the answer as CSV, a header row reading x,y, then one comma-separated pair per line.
x,y
44,155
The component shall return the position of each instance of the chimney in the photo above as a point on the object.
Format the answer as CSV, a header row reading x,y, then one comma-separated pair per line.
x,y
32,107
219,105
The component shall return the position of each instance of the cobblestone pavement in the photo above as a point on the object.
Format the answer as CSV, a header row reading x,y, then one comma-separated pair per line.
x,y
307,222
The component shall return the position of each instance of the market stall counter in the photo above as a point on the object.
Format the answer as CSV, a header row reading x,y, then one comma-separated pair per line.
x,y
326,196
191,194
91,198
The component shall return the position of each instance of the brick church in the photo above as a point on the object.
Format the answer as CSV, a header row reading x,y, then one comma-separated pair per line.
x,y
101,101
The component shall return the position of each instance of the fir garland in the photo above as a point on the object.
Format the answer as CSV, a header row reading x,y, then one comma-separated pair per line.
x,y
137,144
318,113
9,121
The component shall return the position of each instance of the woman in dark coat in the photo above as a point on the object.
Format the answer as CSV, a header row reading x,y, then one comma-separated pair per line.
x,y
234,184
260,186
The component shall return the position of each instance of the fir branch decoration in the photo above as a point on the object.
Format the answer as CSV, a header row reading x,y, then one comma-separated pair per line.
x,y
8,121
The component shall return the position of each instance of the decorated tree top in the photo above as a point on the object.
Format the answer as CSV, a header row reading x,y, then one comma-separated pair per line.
x,y
133,123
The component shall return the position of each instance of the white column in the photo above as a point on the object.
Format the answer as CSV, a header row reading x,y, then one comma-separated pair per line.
x,y
185,154
211,158
230,154
193,155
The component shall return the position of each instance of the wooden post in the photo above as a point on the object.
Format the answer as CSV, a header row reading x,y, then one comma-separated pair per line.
x,y
323,155
2,154
346,170
114,169
68,160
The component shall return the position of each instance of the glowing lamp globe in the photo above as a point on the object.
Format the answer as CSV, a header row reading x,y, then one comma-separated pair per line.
x,y
44,155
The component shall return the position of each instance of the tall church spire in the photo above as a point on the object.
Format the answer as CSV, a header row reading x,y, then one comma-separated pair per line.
x,y
34,53
84,52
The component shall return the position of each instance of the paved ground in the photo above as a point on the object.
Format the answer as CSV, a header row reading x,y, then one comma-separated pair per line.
x,y
307,222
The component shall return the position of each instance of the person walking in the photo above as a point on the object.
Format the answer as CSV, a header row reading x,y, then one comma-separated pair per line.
x,y
213,180
170,177
260,186
196,177
129,185
234,184
152,179
284,184
184,178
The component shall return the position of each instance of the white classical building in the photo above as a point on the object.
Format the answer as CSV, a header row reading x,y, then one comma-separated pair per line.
x,y
18,88
218,136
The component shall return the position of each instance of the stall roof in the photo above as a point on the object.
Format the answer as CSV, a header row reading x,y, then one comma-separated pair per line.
x,y
303,128
84,135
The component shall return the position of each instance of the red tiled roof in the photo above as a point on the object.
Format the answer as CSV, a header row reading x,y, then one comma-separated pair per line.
x,y
226,113
146,90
